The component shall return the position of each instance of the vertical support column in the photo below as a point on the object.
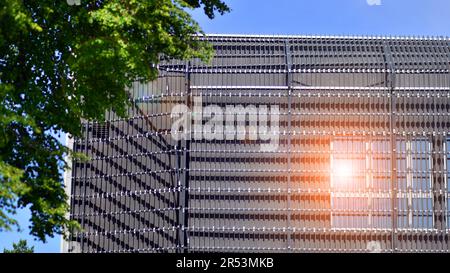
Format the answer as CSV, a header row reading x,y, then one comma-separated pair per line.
x,y
180,188
184,179
368,177
438,180
409,181
289,128
390,84
180,198
68,244
85,182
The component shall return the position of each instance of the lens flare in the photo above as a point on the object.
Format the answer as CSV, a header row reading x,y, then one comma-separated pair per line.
x,y
343,172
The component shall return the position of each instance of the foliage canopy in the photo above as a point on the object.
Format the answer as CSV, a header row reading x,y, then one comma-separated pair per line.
x,y
62,63
20,247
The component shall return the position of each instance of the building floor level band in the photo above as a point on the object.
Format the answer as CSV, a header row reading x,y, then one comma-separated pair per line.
x,y
336,144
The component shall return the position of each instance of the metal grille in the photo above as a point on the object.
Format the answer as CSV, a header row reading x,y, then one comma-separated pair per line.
x,y
361,162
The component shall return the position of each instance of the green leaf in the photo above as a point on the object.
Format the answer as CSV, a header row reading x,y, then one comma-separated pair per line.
x,y
61,64
20,247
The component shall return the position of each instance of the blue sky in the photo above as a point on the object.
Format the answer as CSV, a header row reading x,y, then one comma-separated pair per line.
x,y
315,17
332,17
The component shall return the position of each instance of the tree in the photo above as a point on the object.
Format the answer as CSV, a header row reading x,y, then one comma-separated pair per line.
x,y
62,63
20,247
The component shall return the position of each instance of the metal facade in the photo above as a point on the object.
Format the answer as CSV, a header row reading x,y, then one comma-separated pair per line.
x,y
362,162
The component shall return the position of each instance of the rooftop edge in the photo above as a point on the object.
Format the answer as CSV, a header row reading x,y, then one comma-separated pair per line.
x,y
353,37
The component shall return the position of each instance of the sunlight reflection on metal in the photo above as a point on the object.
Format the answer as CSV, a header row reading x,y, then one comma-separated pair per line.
x,y
343,171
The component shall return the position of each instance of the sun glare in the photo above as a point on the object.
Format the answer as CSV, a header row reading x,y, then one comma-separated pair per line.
x,y
343,171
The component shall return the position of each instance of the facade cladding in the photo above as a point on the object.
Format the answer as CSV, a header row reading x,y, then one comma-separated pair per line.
x,y
361,163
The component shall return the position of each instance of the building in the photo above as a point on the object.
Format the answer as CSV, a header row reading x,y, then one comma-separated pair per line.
x,y
360,162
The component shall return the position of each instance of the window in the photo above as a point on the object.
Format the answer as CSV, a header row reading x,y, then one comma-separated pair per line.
x,y
415,197
361,183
